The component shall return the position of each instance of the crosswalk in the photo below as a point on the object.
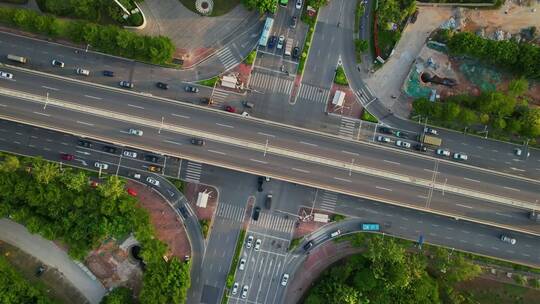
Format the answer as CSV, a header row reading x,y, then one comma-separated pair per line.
x,y
329,200
347,126
232,212
227,58
273,222
219,97
193,171
312,93
262,81
365,97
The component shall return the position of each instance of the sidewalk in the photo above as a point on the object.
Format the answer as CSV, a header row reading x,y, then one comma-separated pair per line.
x,y
53,256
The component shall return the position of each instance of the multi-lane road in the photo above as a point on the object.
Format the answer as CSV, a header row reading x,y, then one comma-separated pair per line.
x,y
252,145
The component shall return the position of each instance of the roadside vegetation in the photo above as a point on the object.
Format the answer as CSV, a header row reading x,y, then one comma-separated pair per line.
x,y
177,183
209,82
294,243
390,20
108,39
221,7
360,47
263,6
14,288
250,58
507,114
205,227
391,270
119,295
310,21
60,204
98,11
337,217
340,77
368,116
358,13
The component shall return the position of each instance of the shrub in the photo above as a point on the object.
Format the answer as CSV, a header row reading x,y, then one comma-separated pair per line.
x,y
368,116
340,77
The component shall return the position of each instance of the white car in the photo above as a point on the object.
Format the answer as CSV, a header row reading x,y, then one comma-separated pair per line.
x,y
6,75
285,279
152,181
258,245
460,156
234,289
443,152
335,233
135,132
244,291
249,242
431,131
101,166
298,4
383,139
403,144
508,239
519,152
83,72
242,264
280,42
131,154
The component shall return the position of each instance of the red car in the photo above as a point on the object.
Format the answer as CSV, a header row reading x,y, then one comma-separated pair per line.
x,y
66,156
230,109
131,192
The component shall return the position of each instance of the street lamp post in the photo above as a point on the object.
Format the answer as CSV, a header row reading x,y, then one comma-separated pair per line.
x,y
46,101
87,46
161,125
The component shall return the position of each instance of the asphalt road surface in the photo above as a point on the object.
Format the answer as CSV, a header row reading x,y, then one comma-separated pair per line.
x,y
447,175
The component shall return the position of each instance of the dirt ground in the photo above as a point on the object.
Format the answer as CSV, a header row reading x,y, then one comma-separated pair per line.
x,y
489,291
516,18
53,282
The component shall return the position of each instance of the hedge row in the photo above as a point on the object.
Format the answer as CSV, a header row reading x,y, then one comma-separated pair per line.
x,y
108,39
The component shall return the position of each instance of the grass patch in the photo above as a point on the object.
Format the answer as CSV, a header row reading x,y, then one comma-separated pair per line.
x,y
250,58
177,183
221,7
368,116
205,226
209,82
236,257
294,243
340,77
337,217
487,291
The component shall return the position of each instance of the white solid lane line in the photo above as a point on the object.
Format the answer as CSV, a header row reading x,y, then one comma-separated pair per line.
x,y
3,105
134,106
223,125
172,142
464,206
182,116
471,180
513,189
85,123
217,152
382,188
258,161
44,114
49,88
308,144
300,170
342,179
391,162
265,134
93,97
350,153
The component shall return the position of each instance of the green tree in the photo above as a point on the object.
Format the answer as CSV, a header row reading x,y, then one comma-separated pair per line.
x,y
317,3
262,5
44,172
9,164
518,87
361,45
119,295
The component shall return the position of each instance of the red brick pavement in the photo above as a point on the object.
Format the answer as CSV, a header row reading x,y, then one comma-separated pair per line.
x,y
350,108
168,227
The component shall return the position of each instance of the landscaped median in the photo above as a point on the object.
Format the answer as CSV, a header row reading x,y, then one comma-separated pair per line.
x,y
234,263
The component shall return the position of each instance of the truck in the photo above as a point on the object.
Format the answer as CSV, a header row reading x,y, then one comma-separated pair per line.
x,y
370,227
17,58
430,140
288,47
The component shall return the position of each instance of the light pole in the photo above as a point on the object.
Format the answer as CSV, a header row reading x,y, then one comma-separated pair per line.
x,y
46,101
161,126
87,46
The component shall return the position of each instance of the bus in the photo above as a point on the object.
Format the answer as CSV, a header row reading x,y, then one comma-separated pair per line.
x,y
266,31
283,2
370,227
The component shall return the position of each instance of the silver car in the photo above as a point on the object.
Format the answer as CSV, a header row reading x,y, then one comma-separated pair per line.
x,y
242,264
101,166
131,154
135,132
383,139
507,239
245,291
152,181
403,144
234,289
